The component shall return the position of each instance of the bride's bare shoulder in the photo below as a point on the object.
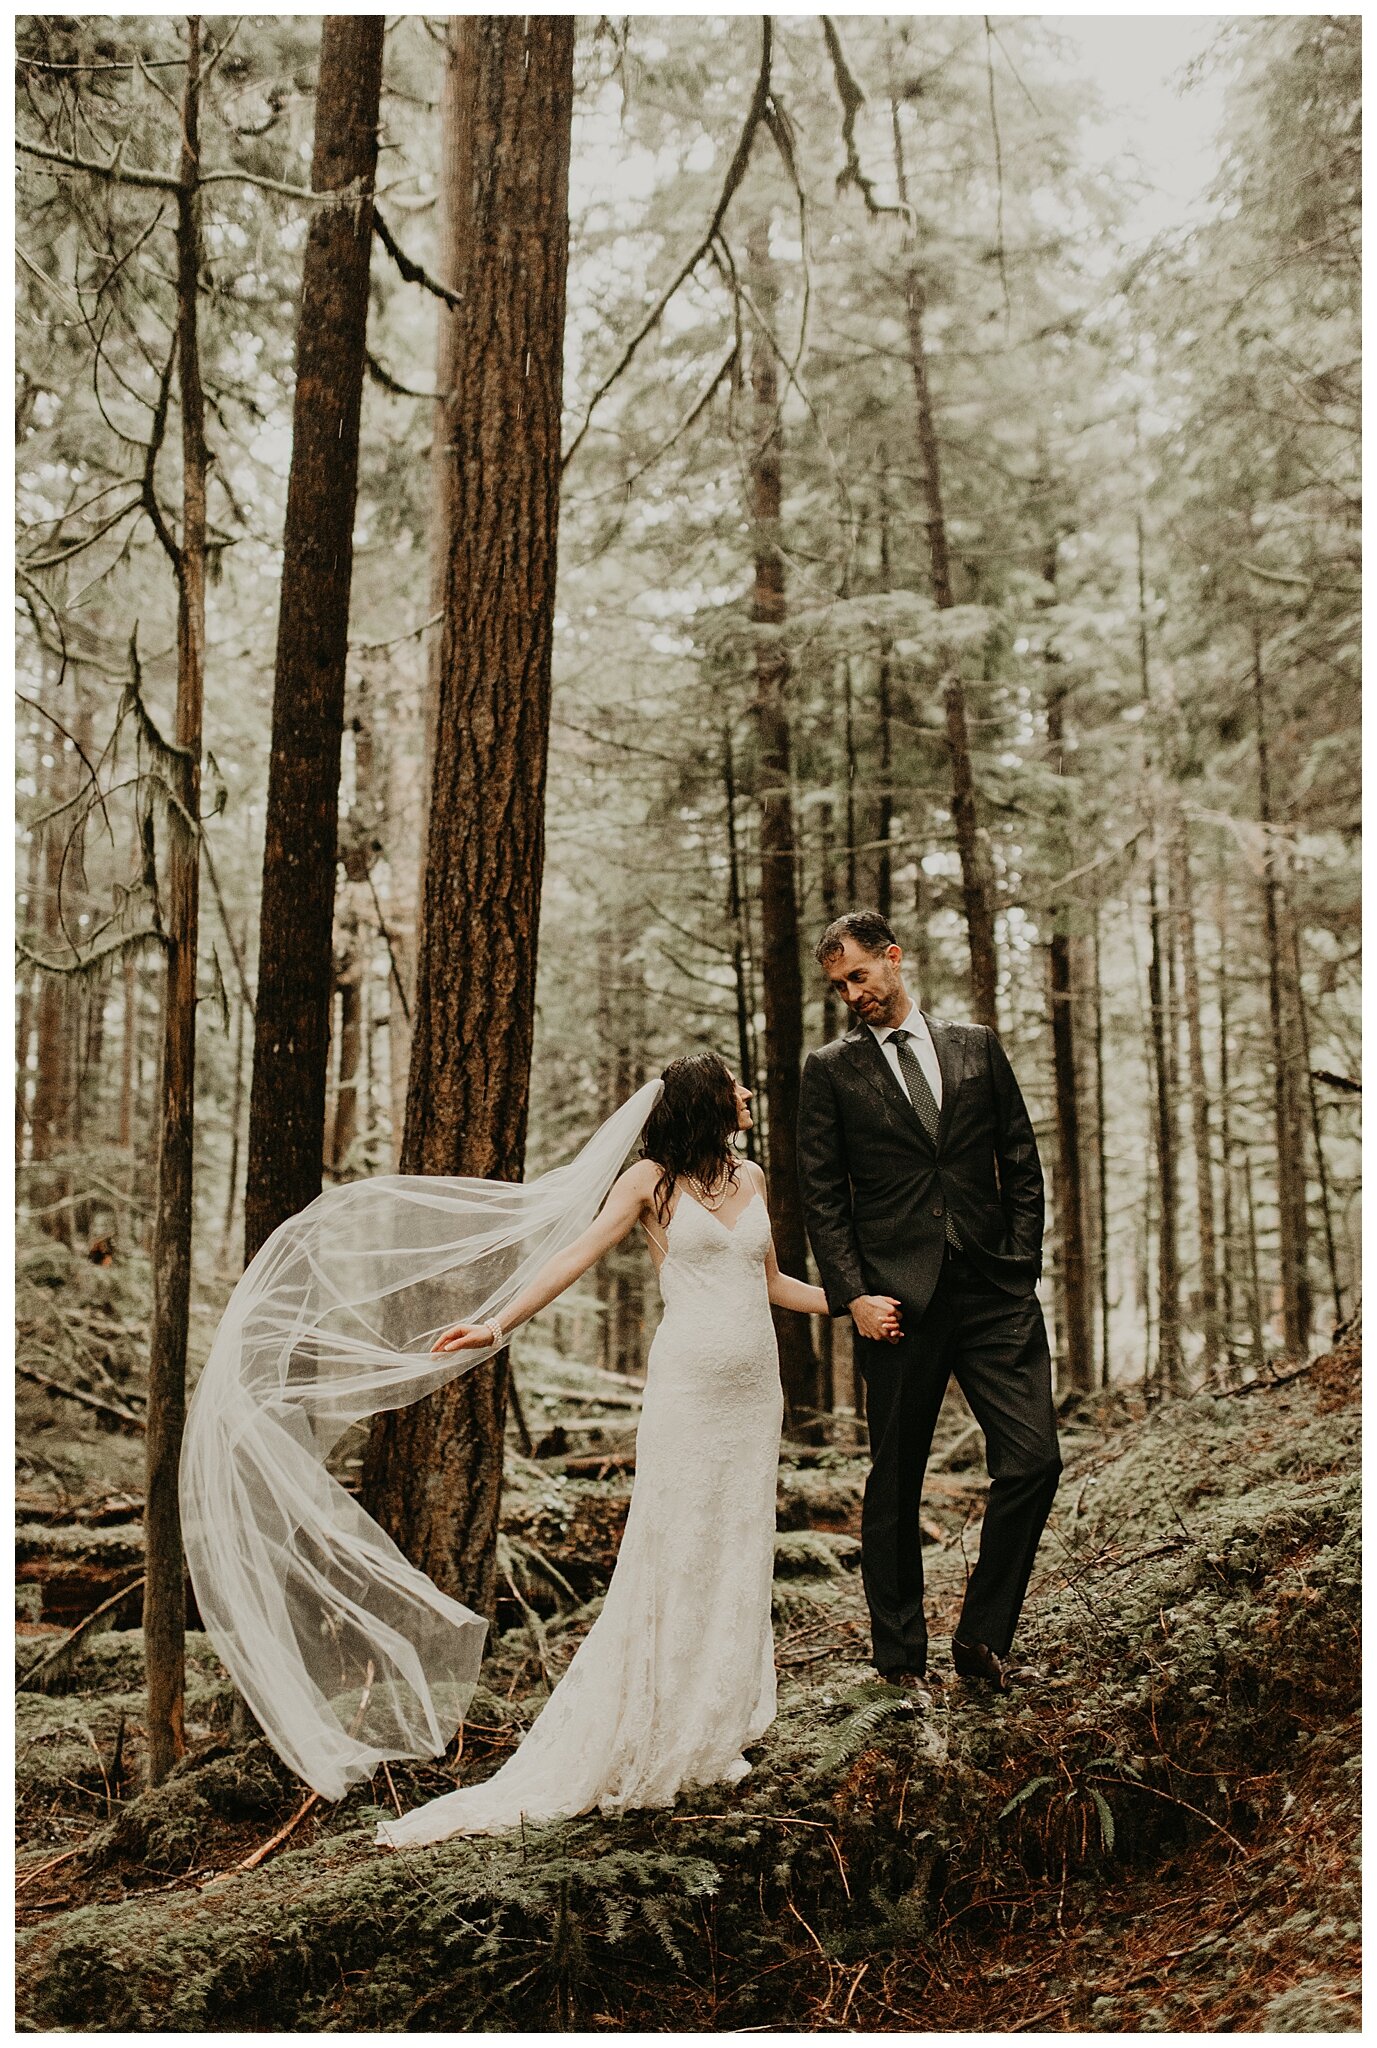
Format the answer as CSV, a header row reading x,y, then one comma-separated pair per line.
x,y
640,1179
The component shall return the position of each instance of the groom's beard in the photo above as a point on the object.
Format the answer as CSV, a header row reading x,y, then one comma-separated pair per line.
x,y
884,1015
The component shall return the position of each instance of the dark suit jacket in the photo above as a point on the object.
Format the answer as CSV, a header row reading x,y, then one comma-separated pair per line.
x,y
875,1189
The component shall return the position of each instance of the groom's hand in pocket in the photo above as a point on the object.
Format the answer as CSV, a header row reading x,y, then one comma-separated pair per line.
x,y
876,1316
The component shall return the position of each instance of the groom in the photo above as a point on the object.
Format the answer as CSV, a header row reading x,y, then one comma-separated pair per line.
x,y
921,1182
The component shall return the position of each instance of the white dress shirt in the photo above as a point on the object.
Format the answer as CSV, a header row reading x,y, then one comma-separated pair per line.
x,y
920,1043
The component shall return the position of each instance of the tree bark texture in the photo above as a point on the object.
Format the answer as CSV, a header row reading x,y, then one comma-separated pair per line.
x,y
781,973
164,1602
291,1035
433,1471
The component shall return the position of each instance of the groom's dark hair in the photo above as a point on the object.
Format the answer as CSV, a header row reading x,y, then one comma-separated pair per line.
x,y
869,928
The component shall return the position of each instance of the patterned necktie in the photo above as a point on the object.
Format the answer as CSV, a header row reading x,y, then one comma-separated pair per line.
x,y
924,1101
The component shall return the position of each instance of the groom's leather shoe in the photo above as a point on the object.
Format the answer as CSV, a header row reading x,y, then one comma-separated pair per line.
x,y
978,1660
916,1683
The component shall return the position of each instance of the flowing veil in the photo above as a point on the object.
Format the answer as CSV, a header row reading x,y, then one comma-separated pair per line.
x,y
346,1653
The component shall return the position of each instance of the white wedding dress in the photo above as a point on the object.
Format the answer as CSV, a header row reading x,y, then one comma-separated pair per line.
x,y
676,1676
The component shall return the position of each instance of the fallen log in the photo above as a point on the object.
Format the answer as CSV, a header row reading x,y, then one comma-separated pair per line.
x,y
124,1416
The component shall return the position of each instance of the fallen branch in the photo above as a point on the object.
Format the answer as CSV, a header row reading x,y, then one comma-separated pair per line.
x,y
29,1682
265,1849
1279,1379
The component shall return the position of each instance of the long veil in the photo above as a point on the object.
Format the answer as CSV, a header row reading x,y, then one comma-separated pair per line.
x,y
346,1653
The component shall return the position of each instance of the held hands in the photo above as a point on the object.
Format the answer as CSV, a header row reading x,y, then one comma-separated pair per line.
x,y
877,1316
469,1337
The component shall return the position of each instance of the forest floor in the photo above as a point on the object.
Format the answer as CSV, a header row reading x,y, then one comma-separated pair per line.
x,y
1157,1831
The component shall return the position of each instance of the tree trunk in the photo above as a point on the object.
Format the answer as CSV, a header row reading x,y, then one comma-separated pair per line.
x,y
164,1602
346,1122
1200,1101
48,1116
852,774
884,722
1229,1241
295,959
1255,1310
23,1039
1079,1355
1170,1364
129,1051
976,881
1102,1160
241,1012
1287,1055
780,970
1321,1168
30,981
737,925
433,1471
453,210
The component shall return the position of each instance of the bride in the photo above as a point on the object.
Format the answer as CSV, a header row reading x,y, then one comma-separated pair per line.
x,y
676,1676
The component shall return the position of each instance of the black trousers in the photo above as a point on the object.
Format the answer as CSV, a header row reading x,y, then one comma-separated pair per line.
x,y
996,1344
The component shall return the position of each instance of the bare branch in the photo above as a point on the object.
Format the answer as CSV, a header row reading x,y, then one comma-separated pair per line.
x,y
116,173
114,949
235,954
413,272
78,547
852,100
149,492
999,169
388,382
736,171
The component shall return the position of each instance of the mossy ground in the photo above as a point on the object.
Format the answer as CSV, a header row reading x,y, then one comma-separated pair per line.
x,y
1158,1833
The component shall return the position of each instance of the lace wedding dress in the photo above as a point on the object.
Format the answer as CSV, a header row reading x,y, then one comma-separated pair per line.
x,y
676,1676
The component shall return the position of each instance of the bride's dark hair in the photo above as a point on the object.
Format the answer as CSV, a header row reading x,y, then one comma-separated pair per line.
x,y
690,1130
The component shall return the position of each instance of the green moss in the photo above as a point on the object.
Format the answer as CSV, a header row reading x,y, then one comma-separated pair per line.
x,y
1196,1612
